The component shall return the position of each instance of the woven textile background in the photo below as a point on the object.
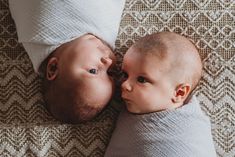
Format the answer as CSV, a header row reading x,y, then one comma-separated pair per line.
x,y
26,129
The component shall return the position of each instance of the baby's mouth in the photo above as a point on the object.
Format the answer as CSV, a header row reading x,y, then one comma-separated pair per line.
x,y
125,98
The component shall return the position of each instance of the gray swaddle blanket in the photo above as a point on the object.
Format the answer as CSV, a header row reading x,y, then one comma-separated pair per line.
x,y
183,132
43,25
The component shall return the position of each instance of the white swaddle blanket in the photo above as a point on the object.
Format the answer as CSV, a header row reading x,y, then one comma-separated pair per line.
x,y
43,25
184,132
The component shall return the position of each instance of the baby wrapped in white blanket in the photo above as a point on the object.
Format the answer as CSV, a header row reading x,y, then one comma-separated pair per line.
x,y
160,72
70,42
44,25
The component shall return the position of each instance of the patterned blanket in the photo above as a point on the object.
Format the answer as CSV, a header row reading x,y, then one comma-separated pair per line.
x,y
26,129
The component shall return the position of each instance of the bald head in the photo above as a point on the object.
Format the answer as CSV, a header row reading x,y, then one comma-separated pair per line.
x,y
179,55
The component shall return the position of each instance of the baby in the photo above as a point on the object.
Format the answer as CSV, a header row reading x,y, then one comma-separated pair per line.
x,y
70,43
163,119
77,85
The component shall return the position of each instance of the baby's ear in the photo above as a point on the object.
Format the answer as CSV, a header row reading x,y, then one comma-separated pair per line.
x,y
52,68
181,93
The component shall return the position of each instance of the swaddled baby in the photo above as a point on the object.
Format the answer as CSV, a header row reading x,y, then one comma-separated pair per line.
x,y
161,119
70,42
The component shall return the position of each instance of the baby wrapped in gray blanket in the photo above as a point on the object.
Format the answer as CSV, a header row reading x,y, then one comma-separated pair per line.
x,y
160,72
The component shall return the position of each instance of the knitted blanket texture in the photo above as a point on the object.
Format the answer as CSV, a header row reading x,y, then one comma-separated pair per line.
x,y
43,25
183,132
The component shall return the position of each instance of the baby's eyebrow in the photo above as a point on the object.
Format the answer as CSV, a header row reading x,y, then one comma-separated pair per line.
x,y
144,74
91,37
103,48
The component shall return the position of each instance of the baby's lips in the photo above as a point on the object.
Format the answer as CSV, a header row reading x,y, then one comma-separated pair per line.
x,y
124,97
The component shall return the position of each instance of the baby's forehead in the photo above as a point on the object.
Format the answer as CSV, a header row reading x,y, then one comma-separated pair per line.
x,y
101,43
137,59
157,54
85,41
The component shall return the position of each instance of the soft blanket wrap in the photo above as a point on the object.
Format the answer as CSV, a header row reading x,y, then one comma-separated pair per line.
x,y
183,132
43,25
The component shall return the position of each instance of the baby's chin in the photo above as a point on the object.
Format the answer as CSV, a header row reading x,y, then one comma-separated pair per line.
x,y
134,110
84,114
130,108
78,115
88,113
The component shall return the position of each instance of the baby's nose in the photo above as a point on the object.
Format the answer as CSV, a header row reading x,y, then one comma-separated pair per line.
x,y
107,61
126,86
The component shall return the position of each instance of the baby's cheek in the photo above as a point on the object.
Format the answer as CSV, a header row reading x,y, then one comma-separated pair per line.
x,y
141,96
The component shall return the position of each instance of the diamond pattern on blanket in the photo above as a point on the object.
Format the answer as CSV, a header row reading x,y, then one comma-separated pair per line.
x,y
27,129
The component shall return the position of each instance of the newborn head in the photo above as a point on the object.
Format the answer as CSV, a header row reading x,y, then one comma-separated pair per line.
x,y
160,71
77,85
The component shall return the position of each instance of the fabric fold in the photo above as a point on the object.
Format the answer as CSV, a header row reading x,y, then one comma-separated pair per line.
x,y
182,132
44,25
